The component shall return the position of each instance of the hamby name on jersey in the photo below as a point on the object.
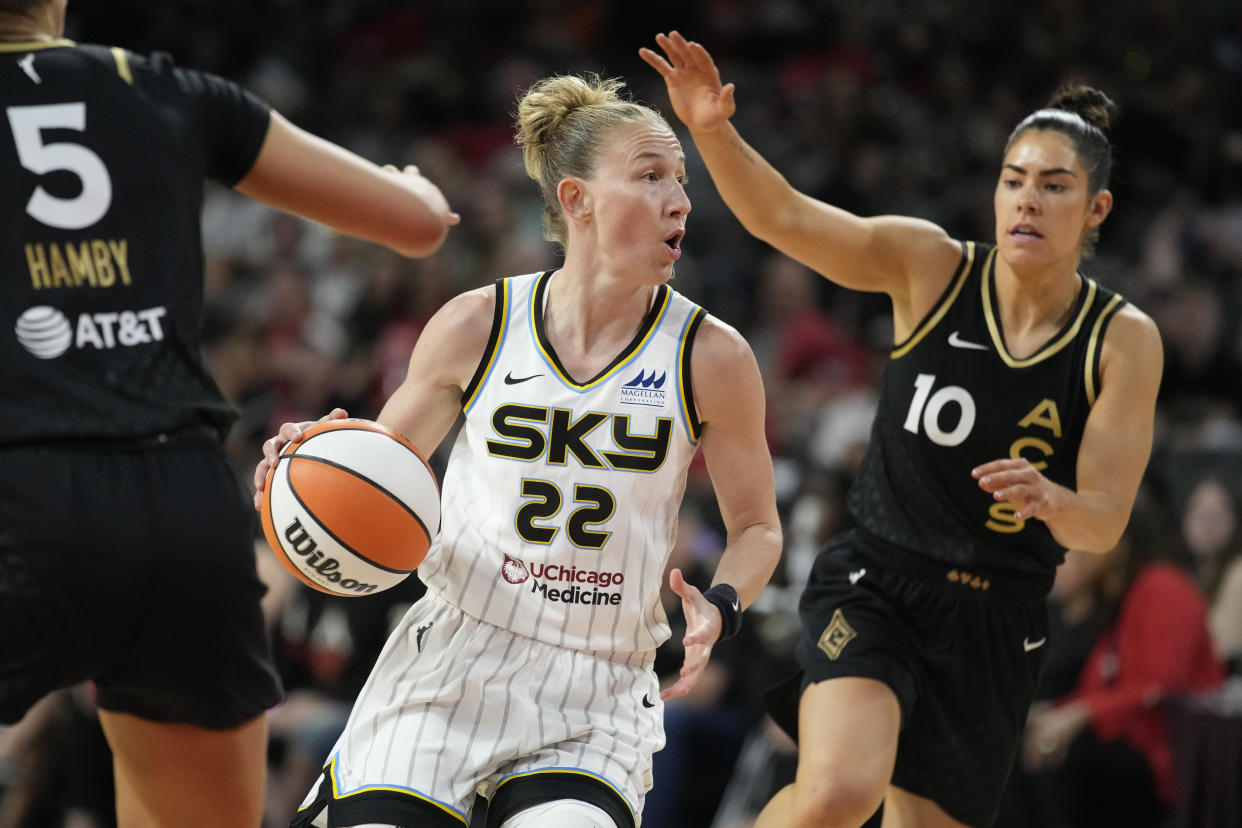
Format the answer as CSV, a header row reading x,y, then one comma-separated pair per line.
x,y
586,586
47,333
96,263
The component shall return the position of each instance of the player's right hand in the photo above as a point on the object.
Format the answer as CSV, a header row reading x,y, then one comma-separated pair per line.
x,y
427,191
288,433
698,97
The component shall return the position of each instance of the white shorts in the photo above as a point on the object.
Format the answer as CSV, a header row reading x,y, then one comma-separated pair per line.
x,y
456,706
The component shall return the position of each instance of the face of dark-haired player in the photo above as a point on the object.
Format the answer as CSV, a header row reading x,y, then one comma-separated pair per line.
x,y
1044,209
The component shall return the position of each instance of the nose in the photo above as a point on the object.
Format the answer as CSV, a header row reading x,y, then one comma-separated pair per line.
x,y
680,205
1027,200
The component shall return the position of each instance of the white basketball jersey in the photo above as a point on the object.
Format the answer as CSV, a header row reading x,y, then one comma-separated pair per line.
x,y
560,499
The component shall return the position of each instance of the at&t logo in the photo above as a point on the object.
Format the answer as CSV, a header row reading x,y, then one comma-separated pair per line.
x,y
47,333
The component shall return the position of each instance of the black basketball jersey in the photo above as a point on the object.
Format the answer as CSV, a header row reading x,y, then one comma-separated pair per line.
x,y
952,398
103,155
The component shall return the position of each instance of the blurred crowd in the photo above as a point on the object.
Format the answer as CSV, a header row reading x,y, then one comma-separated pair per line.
x,y
878,107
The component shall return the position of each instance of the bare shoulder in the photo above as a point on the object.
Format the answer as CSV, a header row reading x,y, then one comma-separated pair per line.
x,y
725,375
457,334
1132,353
1133,333
718,346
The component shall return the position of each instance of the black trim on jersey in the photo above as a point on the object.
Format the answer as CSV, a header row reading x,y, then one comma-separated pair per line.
x,y
383,807
520,793
687,384
493,341
661,299
947,297
1096,346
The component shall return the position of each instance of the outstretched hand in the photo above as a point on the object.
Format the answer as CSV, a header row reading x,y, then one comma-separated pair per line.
x,y
288,433
1020,483
703,627
427,191
693,81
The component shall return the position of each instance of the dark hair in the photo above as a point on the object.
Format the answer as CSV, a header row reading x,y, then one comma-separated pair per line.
x,y
1083,114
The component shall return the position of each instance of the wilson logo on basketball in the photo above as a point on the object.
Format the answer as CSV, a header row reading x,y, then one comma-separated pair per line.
x,y
303,545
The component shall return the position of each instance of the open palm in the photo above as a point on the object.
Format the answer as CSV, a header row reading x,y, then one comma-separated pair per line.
x,y
693,81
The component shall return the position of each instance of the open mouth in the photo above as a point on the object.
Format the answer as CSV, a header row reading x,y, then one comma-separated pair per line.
x,y
674,242
1025,231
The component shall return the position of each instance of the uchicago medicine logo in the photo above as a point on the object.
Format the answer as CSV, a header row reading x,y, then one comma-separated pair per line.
x,y
565,584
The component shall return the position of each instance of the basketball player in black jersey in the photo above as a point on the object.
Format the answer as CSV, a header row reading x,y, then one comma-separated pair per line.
x,y
126,550
1015,421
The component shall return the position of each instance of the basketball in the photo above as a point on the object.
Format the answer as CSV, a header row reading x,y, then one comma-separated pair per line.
x,y
351,508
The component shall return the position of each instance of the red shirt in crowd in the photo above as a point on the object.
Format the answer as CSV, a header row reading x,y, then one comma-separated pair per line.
x,y
1159,648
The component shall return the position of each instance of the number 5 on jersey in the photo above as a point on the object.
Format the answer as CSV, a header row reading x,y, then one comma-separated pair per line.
x,y
89,205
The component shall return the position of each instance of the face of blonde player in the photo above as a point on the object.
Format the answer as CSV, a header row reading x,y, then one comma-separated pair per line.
x,y
1043,207
638,202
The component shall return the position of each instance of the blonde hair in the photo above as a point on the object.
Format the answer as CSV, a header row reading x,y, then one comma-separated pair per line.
x,y
562,121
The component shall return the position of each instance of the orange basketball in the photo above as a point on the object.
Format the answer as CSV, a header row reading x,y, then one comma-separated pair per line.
x,y
351,508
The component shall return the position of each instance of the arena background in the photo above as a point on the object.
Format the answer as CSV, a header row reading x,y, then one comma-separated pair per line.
x,y
878,107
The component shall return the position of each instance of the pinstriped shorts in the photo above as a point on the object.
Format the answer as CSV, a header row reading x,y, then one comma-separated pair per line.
x,y
456,706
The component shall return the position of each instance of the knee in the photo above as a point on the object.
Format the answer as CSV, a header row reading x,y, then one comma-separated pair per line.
x,y
844,800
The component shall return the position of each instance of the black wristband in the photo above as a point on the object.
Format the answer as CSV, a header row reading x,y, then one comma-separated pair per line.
x,y
725,599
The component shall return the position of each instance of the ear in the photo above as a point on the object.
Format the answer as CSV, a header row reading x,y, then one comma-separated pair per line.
x,y
575,199
1099,209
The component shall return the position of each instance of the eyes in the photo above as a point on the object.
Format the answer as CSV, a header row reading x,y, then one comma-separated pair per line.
x,y
654,177
1015,183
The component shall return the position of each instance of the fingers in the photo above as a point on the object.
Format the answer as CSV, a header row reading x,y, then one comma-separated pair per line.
x,y
656,62
334,414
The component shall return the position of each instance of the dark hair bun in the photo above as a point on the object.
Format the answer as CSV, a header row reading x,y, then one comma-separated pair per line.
x,y
1091,104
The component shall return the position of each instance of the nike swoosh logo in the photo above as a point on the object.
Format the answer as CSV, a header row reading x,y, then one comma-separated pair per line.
x,y
647,701
512,380
957,342
1028,644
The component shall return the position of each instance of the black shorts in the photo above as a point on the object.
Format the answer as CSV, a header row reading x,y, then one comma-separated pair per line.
x,y
962,651
133,566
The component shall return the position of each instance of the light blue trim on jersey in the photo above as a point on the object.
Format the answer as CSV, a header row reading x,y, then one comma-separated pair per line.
x,y
578,771
338,794
682,406
500,341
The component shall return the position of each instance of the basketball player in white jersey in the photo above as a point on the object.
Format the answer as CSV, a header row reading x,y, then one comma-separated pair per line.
x,y
526,672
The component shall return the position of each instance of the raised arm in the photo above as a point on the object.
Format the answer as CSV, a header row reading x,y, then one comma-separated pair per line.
x,y
885,253
304,174
728,394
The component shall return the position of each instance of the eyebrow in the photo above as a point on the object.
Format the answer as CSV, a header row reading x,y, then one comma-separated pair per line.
x,y
1053,171
642,156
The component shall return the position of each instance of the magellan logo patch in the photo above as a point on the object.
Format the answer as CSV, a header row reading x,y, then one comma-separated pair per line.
x,y
647,388
836,635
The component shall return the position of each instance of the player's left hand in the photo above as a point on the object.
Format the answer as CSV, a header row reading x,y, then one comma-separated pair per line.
x,y
1020,483
703,627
